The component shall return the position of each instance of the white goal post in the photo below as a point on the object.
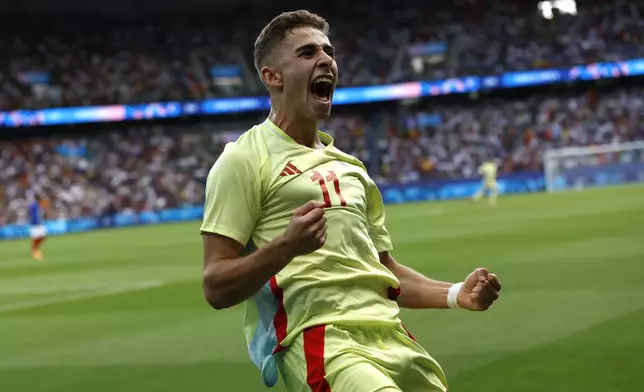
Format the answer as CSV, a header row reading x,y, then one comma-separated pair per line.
x,y
593,166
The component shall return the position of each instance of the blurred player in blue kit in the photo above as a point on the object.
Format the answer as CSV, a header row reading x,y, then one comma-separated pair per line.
x,y
38,231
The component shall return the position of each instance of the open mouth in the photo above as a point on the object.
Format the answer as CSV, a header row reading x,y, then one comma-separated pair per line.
x,y
322,88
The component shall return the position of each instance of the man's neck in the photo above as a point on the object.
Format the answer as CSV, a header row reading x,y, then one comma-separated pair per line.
x,y
304,132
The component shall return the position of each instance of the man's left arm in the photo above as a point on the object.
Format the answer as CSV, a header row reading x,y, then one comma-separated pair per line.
x,y
477,292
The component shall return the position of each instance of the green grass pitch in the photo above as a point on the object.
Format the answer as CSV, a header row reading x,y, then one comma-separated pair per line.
x,y
122,310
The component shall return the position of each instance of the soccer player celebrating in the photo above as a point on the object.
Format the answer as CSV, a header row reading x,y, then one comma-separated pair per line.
x,y
38,230
296,228
488,170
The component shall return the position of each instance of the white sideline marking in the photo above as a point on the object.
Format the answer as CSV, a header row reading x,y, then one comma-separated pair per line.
x,y
80,296
434,211
56,290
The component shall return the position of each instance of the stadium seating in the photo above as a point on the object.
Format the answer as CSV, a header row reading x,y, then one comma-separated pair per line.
x,y
52,63
152,167
97,61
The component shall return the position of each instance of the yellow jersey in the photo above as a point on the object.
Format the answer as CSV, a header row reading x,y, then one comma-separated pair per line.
x,y
488,171
252,192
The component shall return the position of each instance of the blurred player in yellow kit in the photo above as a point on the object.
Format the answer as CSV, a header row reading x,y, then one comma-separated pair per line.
x,y
488,171
296,228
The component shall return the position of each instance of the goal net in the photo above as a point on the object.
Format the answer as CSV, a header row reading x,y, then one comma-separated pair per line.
x,y
593,166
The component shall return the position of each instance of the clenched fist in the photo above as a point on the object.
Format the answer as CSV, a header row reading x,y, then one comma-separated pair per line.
x,y
479,290
306,232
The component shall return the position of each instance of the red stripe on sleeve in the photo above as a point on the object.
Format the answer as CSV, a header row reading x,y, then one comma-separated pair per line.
x,y
394,293
280,321
314,354
405,328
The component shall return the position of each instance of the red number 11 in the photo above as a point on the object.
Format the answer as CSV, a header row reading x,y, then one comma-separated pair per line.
x,y
325,191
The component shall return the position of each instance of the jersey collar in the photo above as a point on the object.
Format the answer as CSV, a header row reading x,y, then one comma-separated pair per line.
x,y
326,139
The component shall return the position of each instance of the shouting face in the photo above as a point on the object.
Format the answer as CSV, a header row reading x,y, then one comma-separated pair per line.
x,y
306,72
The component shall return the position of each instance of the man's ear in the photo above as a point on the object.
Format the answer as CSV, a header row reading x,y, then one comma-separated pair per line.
x,y
271,77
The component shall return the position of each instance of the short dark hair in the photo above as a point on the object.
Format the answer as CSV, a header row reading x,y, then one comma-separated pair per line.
x,y
276,30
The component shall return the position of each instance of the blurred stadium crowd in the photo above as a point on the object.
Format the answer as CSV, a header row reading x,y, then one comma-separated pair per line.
x,y
150,167
89,61
163,166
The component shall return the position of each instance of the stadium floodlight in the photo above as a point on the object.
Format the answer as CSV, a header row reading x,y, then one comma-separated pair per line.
x,y
563,6
593,166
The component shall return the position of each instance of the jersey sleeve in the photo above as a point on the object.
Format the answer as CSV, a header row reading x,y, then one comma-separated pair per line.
x,y
376,219
232,200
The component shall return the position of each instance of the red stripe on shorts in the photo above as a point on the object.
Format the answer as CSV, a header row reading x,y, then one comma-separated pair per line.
x,y
280,321
314,354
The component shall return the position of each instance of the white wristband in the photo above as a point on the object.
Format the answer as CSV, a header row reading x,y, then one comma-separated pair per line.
x,y
452,295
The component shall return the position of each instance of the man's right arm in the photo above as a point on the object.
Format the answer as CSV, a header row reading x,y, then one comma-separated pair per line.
x,y
231,211
229,279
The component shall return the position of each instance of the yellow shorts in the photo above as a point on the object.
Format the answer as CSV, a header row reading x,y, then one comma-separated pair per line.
x,y
383,358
